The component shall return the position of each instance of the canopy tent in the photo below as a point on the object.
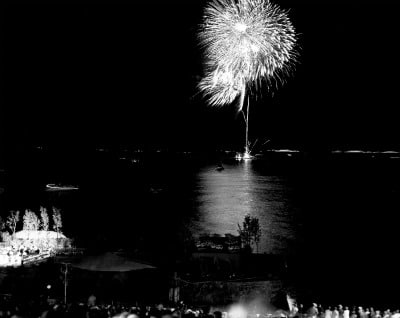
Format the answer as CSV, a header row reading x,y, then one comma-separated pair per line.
x,y
37,235
110,262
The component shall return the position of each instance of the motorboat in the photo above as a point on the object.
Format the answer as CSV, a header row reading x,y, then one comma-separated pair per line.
x,y
60,187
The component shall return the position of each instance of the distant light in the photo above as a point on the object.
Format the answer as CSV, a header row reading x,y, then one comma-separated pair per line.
x,y
48,286
247,155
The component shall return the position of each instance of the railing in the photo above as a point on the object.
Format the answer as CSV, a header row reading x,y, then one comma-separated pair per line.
x,y
15,259
36,258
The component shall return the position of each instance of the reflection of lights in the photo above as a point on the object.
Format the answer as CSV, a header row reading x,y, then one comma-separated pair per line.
x,y
226,198
237,311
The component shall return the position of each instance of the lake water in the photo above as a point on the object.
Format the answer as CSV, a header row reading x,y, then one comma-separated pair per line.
x,y
223,198
335,215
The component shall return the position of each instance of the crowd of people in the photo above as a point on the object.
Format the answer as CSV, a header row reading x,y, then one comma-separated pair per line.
x,y
340,311
51,308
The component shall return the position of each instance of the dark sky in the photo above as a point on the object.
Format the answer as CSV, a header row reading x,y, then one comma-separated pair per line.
x,y
126,73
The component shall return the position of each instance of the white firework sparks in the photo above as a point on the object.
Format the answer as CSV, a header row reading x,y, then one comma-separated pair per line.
x,y
222,87
245,42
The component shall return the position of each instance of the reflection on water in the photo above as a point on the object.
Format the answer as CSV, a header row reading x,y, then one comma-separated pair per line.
x,y
224,197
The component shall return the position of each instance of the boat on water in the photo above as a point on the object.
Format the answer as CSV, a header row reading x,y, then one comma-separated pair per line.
x,y
243,156
60,187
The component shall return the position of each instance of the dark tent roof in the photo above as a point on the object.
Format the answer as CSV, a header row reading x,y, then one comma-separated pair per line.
x,y
110,262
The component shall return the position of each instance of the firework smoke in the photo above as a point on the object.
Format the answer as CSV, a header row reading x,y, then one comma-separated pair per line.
x,y
245,42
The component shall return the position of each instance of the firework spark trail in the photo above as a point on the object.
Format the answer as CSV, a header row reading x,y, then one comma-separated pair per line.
x,y
246,42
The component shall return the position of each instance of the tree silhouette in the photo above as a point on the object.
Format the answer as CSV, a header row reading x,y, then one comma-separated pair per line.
x,y
244,231
2,224
12,221
250,231
255,231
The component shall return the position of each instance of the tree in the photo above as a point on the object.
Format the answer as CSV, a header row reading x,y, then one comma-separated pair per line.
x,y
57,222
44,219
2,228
2,224
244,231
255,231
31,221
12,221
250,231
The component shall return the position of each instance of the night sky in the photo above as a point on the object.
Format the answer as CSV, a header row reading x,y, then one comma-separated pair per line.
x,y
107,75
90,75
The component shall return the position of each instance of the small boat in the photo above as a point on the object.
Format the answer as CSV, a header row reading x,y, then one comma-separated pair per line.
x,y
220,167
243,156
60,187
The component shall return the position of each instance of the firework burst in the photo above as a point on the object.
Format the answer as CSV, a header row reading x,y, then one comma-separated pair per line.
x,y
245,42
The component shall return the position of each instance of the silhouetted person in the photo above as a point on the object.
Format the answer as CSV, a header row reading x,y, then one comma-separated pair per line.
x,y
313,311
340,310
328,312
335,313
346,312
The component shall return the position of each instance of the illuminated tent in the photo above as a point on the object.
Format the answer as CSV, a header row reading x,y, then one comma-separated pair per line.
x,y
38,235
110,262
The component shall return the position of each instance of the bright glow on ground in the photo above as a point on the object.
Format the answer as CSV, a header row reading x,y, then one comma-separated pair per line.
x,y
237,311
